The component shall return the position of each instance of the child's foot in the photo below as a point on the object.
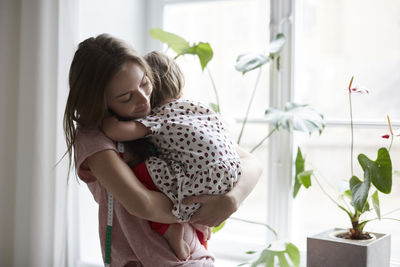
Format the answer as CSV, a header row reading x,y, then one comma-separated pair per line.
x,y
174,236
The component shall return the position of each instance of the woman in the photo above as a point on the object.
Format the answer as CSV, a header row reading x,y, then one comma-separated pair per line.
x,y
107,76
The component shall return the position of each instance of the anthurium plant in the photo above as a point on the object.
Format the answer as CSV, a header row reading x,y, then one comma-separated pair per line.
x,y
363,193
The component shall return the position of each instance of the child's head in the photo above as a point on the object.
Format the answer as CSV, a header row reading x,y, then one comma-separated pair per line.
x,y
168,78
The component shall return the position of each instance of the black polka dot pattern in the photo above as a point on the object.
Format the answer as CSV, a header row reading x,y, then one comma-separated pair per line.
x,y
195,155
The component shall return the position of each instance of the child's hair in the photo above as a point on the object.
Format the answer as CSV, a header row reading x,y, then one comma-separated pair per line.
x,y
168,78
95,63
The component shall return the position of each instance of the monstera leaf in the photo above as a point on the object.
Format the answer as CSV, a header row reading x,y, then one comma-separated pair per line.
x,y
296,117
276,46
251,61
203,51
177,43
281,251
182,47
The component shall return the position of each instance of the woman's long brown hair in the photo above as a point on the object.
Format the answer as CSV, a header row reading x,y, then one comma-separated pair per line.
x,y
95,62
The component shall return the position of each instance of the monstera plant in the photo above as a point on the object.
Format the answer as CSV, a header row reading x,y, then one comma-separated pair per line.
x,y
294,117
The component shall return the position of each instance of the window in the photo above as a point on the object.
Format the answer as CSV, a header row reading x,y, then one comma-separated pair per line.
x,y
335,40
232,28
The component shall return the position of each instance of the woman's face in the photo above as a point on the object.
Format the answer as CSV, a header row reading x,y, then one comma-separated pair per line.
x,y
128,93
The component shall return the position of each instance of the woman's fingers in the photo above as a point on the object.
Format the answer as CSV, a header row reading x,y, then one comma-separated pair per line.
x,y
195,199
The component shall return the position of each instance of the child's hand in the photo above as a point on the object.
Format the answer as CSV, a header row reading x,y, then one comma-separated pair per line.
x,y
110,126
204,229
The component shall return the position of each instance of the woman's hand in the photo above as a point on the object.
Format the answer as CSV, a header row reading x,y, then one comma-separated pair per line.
x,y
217,208
214,209
204,229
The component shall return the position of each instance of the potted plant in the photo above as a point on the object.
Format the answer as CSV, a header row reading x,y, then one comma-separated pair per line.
x,y
354,246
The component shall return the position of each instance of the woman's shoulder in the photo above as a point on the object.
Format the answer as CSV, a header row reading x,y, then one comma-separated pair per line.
x,y
88,141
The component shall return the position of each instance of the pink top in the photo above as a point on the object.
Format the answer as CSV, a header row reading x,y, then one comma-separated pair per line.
x,y
134,243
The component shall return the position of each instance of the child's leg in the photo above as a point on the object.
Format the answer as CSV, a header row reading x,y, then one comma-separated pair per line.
x,y
174,236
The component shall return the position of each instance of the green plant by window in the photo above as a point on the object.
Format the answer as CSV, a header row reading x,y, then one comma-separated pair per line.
x,y
362,192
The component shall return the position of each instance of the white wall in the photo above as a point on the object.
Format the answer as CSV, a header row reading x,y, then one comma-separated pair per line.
x,y
9,51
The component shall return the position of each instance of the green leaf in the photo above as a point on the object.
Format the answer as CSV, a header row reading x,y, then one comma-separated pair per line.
x,y
282,260
299,165
366,207
379,170
266,257
203,51
375,203
250,252
296,117
279,249
276,46
305,178
177,43
251,61
217,228
214,107
347,193
359,191
293,253
182,47
348,212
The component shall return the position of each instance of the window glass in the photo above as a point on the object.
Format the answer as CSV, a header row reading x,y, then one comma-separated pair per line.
x,y
333,41
338,39
232,28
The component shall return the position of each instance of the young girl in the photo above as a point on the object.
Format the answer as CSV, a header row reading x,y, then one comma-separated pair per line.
x,y
106,74
195,156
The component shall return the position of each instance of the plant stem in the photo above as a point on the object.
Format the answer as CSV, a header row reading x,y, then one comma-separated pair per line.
x,y
391,142
258,223
323,190
215,89
352,134
265,138
248,107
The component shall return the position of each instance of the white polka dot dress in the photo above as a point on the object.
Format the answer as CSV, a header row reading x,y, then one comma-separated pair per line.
x,y
195,155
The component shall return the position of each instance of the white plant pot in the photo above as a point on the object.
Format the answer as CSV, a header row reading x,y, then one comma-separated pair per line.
x,y
327,250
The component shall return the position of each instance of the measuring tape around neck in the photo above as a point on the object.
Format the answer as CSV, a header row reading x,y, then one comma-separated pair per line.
x,y
110,212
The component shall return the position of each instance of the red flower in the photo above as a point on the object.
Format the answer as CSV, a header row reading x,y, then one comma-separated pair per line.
x,y
357,89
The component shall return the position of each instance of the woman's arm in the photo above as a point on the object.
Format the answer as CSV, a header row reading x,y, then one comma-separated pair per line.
x,y
122,183
217,208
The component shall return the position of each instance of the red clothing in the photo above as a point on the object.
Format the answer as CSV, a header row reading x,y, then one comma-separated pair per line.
x,y
143,175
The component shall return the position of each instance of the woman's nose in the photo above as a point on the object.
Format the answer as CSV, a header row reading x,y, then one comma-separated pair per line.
x,y
142,95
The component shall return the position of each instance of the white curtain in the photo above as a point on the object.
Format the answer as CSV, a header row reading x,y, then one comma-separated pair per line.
x,y
34,68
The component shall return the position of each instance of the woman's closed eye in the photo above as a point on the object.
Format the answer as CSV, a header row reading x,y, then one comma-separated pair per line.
x,y
127,98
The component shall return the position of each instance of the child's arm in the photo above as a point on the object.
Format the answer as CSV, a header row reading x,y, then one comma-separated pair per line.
x,y
123,130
